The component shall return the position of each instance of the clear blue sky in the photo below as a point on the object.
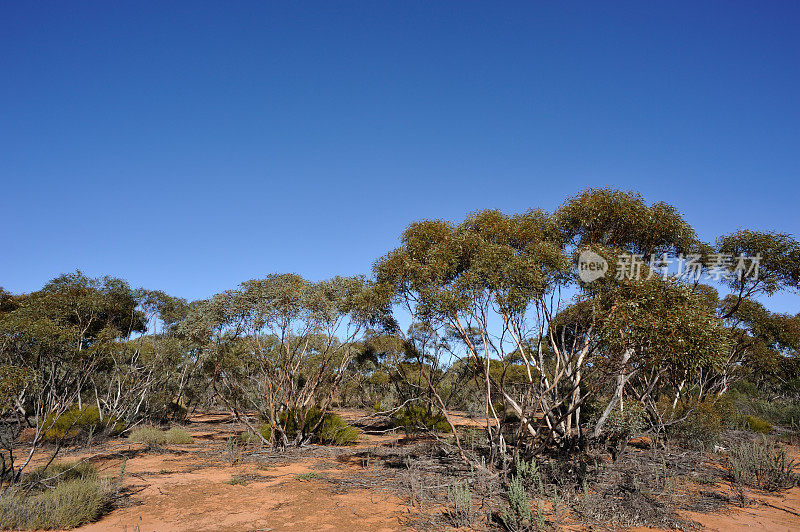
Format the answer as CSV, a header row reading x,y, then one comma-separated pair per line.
x,y
191,146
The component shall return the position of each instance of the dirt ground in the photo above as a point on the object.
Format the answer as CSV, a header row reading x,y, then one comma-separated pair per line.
x,y
211,485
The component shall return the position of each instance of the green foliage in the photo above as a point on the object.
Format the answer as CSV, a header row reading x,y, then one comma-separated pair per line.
x,y
333,430
237,480
60,472
76,422
311,475
748,400
150,436
756,424
622,220
665,324
336,431
459,505
779,266
628,422
13,379
786,413
701,422
249,436
528,473
517,516
761,464
178,435
417,418
74,496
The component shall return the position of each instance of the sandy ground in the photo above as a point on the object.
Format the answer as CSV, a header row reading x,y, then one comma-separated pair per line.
x,y
200,487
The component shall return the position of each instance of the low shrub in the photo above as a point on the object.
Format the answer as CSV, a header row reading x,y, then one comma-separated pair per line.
x,y
249,436
756,424
459,505
74,496
59,472
622,424
761,464
529,473
333,430
517,515
178,435
77,422
749,401
336,431
148,435
417,418
702,422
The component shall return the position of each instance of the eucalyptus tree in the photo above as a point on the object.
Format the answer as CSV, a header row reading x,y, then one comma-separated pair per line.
x,y
753,265
645,326
492,281
52,343
280,345
765,347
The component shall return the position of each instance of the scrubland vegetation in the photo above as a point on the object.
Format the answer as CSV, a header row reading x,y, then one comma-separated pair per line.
x,y
484,319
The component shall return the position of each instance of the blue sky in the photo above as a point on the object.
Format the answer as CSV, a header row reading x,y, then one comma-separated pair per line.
x,y
191,146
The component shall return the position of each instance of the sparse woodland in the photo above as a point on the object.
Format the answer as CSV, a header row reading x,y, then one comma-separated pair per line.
x,y
485,319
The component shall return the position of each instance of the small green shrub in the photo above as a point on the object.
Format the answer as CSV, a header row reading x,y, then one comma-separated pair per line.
x,y
749,401
249,436
288,421
756,424
761,464
459,505
237,480
333,430
517,516
628,422
311,475
417,418
76,422
178,435
702,422
336,431
148,436
73,496
58,472
529,473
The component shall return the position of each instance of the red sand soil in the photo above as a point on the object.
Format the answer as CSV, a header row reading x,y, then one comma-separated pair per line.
x,y
188,488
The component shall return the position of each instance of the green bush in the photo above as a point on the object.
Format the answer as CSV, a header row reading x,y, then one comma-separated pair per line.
x,y
626,423
517,516
333,430
148,435
249,436
528,473
416,418
336,431
786,413
761,464
178,435
702,421
756,424
60,472
76,422
76,496
747,399
459,505
288,422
